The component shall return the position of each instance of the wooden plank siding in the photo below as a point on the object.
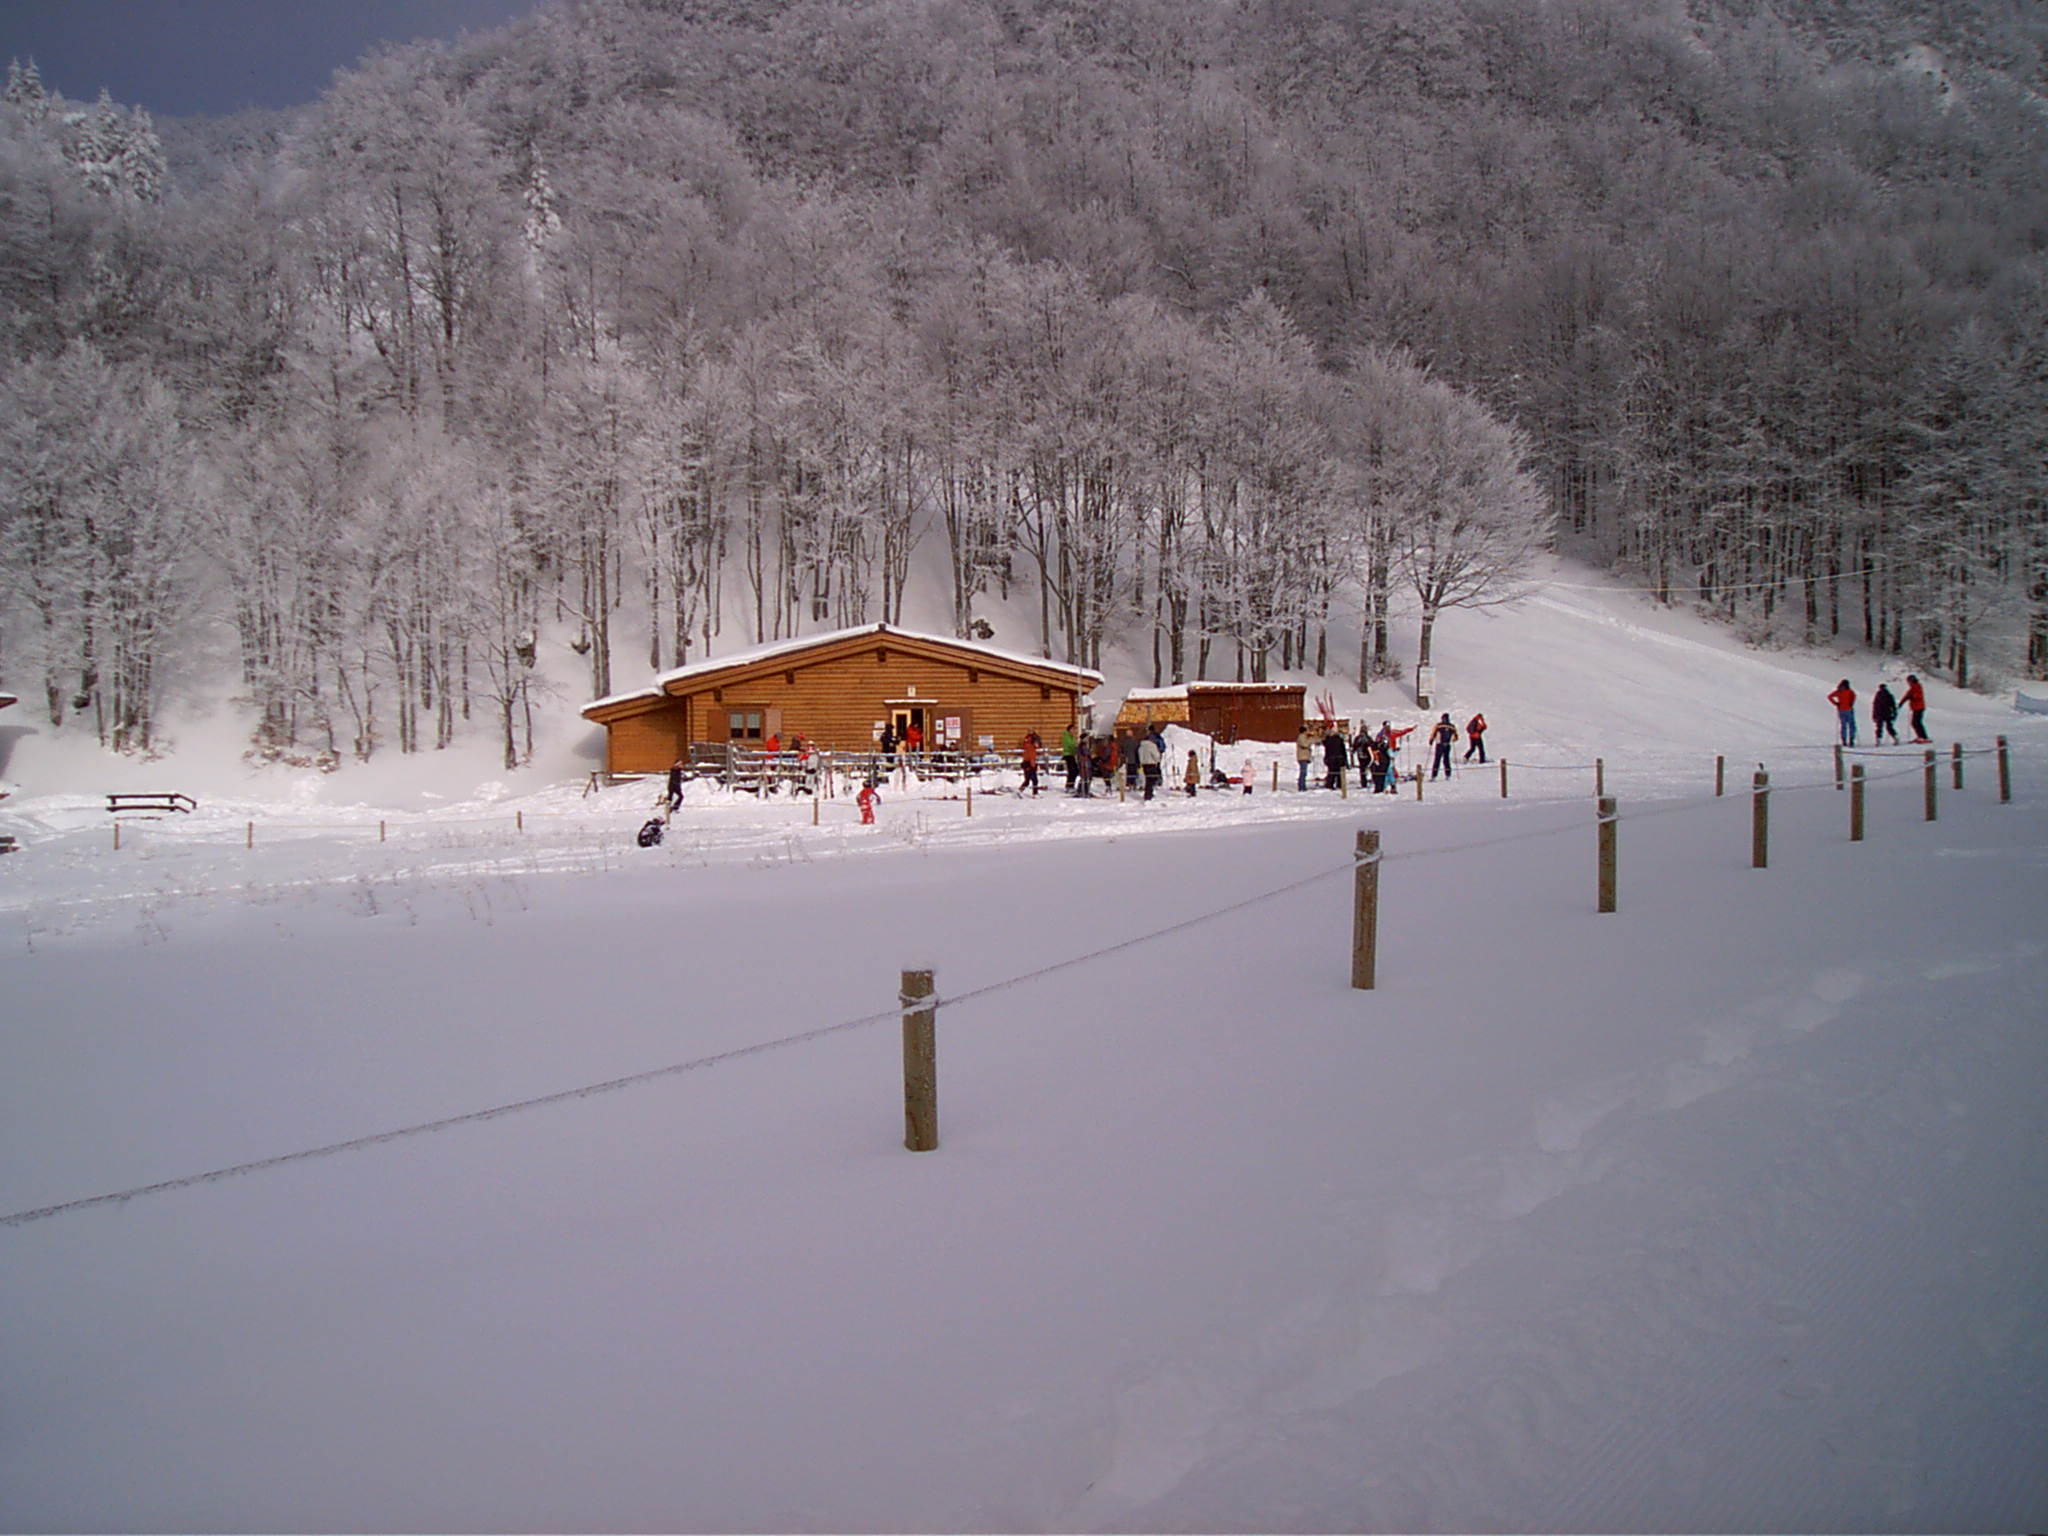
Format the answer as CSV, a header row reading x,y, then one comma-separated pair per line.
x,y
834,694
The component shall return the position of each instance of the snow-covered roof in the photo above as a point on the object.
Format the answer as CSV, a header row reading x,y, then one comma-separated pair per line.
x,y
1182,690
1083,676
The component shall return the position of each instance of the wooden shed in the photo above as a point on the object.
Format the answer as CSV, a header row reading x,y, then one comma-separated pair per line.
x,y
1226,711
837,691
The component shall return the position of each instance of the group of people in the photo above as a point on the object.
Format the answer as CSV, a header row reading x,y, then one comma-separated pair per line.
x,y
1884,712
1141,759
1374,753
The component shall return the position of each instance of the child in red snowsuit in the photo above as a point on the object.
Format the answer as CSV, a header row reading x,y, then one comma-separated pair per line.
x,y
866,801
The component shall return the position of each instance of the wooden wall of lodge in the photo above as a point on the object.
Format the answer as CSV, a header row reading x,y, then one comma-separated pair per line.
x,y
834,703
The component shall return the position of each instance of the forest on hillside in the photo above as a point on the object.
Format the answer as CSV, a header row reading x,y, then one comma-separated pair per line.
x,y
654,328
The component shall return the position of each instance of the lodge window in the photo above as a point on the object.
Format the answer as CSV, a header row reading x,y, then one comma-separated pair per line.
x,y
746,724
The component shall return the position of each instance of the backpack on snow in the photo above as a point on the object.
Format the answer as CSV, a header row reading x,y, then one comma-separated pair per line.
x,y
650,832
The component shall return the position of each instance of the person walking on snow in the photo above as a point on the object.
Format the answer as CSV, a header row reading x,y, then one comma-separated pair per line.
x,y
1475,737
1192,778
1844,700
675,785
1067,760
866,799
1304,754
1916,706
1031,745
1884,716
1442,736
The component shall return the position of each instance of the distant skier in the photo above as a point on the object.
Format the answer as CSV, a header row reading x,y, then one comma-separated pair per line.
x,y
1067,759
675,784
1192,778
1031,746
1148,761
1377,760
1304,754
866,800
1916,706
1884,716
1844,700
1442,737
1475,737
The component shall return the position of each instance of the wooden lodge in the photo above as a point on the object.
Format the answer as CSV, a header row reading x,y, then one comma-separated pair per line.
x,y
1228,712
838,691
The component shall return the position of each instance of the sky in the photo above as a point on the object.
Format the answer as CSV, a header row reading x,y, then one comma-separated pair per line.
x,y
177,57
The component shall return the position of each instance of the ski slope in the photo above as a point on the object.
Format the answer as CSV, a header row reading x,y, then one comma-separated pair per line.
x,y
1717,1212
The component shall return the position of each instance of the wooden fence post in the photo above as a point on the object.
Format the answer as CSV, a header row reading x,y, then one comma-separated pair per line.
x,y
1343,784
1927,774
380,831
1599,778
1856,803
1503,778
519,821
1418,783
1608,818
920,1063
1955,758
249,835
1720,775
1365,911
1839,776
1760,822
970,800
1276,778
2004,773
816,801
117,837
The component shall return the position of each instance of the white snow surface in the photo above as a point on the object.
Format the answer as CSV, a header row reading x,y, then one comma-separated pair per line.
x,y
1720,1212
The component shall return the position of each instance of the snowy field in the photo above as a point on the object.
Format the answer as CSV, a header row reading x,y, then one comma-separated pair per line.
x,y
1719,1212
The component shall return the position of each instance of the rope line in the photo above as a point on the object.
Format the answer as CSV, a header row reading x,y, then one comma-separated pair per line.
x,y
612,1085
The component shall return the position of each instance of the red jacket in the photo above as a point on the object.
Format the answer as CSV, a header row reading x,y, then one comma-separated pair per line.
x,y
1916,696
1843,699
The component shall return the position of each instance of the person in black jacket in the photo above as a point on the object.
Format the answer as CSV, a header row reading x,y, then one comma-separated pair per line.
x,y
1334,758
675,784
1442,736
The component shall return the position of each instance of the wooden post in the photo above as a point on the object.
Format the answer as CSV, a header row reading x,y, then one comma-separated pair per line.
x,y
1503,778
818,799
2004,773
117,837
1840,778
1927,774
1276,778
1599,778
249,836
1607,852
1365,911
1343,784
1720,775
519,821
380,831
970,801
1760,822
1955,759
1418,783
1856,803
920,1063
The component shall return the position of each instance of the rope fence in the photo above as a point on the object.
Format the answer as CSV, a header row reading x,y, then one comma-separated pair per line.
x,y
919,999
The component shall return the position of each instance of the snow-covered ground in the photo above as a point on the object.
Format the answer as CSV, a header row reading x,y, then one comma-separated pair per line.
x,y
1721,1211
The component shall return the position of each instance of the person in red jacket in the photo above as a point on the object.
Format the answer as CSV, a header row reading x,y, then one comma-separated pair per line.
x,y
1916,705
866,801
1844,700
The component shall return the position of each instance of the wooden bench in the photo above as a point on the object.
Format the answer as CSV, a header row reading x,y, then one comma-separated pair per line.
x,y
151,804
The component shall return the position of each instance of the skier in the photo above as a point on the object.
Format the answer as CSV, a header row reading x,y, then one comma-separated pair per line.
x,y
675,784
1392,738
1067,745
1148,762
1441,737
1031,746
1084,763
1884,716
866,800
1334,758
1376,759
1916,706
1475,737
1844,700
1192,778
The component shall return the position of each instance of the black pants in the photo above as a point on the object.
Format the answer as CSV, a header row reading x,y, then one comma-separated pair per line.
x,y
1478,745
1030,778
1441,760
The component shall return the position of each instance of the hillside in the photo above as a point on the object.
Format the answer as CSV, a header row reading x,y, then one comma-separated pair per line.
x,y
1713,1213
